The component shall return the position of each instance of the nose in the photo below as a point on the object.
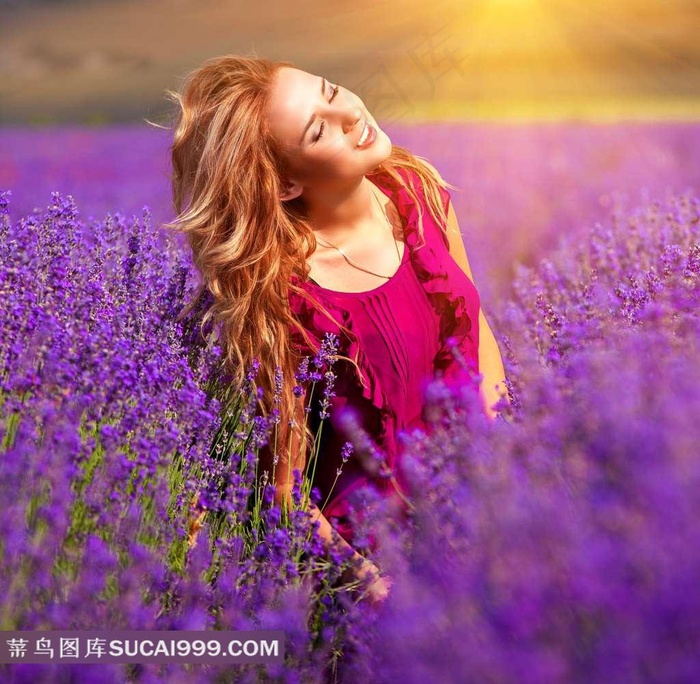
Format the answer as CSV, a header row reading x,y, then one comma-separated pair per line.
x,y
351,116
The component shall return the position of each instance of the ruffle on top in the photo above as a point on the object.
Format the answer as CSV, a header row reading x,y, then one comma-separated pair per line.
x,y
429,266
432,273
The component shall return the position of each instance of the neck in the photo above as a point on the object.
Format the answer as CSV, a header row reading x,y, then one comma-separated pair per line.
x,y
336,215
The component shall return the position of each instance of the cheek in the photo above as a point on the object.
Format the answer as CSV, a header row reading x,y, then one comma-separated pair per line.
x,y
335,151
324,166
321,159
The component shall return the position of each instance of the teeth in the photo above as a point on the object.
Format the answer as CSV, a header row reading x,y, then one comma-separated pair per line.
x,y
364,136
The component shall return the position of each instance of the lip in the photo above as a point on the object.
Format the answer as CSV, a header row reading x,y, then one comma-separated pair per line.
x,y
370,138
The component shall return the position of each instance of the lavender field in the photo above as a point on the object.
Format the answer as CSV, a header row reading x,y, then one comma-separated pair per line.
x,y
520,186
557,544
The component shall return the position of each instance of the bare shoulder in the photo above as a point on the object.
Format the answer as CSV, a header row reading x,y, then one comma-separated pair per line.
x,y
454,234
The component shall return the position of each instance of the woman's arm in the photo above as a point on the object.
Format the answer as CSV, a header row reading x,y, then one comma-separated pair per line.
x,y
284,481
490,362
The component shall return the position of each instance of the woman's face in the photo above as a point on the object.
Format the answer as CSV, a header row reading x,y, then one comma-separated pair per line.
x,y
319,126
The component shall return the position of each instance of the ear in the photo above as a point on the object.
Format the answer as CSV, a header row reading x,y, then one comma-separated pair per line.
x,y
291,190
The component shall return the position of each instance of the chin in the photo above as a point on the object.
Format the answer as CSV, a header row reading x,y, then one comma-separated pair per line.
x,y
383,139
381,150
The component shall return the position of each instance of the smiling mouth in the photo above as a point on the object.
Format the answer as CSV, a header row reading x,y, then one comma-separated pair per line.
x,y
367,137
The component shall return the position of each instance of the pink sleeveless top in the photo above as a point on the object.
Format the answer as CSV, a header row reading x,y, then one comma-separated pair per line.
x,y
402,332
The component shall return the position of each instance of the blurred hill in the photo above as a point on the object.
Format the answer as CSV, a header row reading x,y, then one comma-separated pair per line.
x,y
111,61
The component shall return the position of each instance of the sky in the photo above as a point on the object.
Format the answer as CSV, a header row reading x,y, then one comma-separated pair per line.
x,y
77,61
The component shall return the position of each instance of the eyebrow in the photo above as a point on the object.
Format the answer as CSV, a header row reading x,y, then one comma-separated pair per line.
x,y
313,116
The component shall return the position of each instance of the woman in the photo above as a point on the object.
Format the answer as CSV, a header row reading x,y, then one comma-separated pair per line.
x,y
304,219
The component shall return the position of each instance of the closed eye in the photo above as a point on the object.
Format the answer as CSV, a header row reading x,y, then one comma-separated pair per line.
x,y
323,123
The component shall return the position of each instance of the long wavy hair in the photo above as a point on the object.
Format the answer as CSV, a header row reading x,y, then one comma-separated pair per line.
x,y
227,175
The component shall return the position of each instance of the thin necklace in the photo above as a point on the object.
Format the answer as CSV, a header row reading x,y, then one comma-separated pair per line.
x,y
351,262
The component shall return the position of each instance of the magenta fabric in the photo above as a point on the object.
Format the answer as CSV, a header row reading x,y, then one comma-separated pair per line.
x,y
402,332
